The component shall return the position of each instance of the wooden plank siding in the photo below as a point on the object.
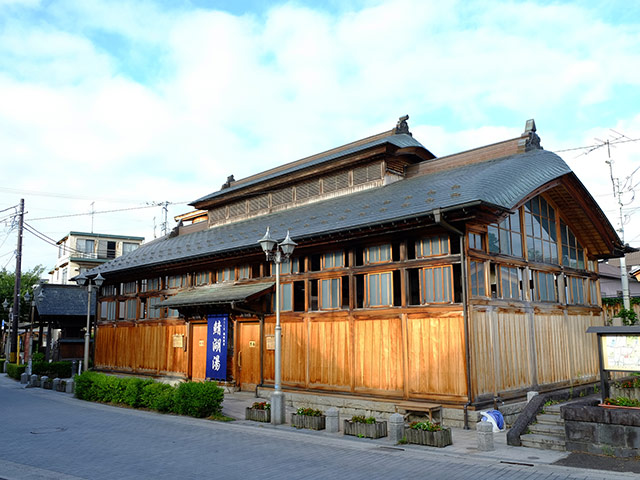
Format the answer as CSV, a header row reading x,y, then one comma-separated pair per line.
x,y
502,347
144,349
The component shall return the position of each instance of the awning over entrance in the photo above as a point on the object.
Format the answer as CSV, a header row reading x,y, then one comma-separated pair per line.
x,y
217,294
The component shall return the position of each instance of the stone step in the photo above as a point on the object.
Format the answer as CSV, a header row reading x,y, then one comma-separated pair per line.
x,y
554,409
549,418
542,442
548,429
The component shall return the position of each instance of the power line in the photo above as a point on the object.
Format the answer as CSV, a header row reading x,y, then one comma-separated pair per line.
x,y
63,195
92,213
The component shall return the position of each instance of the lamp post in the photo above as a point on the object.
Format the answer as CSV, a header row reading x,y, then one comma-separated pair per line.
x,y
277,254
88,282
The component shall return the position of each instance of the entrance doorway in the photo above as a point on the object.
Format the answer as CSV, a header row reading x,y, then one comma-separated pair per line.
x,y
198,352
249,356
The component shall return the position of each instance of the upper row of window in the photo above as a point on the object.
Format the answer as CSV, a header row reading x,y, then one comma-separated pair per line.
x,y
539,234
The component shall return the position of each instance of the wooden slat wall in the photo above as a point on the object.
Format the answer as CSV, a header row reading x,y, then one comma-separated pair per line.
x,y
502,356
436,355
330,354
378,356
141,349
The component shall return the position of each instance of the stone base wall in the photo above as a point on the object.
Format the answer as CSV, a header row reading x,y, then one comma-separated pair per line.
x,y
381,410
604,431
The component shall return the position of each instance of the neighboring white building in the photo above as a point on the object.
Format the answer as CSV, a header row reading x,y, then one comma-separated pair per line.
x,y
81,251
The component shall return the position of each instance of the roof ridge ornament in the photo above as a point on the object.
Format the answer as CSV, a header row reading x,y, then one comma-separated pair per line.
x,y
530,137
402,126
228,183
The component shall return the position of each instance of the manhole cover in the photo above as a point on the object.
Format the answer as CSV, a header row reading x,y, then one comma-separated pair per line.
x,y
40,431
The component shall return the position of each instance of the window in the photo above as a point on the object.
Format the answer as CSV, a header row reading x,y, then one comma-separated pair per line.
x,y
475,241
575,290
330,290
593,292
540,223
290,266
476,273
131,309
244,272
510,281
153,308
379,289
544,287
64,276
572,252
108,310
177,281
226,275
172,312
128,247
431,246
128,287
201,278
333,260
505,237
435,285
378,254
106,249
104,306
153,284
286,297
108,290
85,246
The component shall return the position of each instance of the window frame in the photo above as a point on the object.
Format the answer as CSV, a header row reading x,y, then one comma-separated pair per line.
x,y
443,242
334,304
367,288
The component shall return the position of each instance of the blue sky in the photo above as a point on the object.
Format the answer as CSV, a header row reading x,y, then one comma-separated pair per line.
x,y
126,103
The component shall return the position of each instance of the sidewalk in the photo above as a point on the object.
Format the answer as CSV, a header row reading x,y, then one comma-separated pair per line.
x,y
464,444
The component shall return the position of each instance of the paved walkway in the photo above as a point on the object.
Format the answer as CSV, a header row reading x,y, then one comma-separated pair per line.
x,y
51,435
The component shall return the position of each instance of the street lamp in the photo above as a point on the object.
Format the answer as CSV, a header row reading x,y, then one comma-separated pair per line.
x,y
98,280
277,254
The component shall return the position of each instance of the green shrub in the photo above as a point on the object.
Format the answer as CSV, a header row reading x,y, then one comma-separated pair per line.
x,y
52,370
85,385
14,370
309,412
158,396
132,394
37,357
363,419
198,399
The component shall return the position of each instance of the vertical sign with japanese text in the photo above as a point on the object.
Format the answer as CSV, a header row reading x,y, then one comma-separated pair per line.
x,y
217,346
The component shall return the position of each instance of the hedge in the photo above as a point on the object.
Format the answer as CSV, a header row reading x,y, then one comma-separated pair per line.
x,y
191,398
15,371
53,369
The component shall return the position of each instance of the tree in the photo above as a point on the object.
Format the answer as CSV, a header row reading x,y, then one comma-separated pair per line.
x,y
7,285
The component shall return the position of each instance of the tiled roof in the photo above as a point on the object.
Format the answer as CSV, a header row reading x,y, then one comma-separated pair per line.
x,y
400,141
63,300
502,182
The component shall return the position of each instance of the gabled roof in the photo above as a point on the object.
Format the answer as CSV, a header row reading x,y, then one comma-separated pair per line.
x,y
502,183
403,140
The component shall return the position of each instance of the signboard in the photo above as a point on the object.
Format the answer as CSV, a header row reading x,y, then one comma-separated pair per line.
x,y
178,341
621,352
271,342
217,346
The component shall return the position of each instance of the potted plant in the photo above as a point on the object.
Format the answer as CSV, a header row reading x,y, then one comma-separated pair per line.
x,y
428,433
365,427
259,412
308,418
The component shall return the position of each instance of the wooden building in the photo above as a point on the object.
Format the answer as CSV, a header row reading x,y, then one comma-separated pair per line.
x,y
454,280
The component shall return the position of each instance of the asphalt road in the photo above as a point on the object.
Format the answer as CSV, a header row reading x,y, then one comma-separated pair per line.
x,y
51,435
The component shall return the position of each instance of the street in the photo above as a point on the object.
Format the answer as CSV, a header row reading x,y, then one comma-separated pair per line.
x,y
51,435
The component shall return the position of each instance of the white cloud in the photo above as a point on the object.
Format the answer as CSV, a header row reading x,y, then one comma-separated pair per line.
x,y
136,101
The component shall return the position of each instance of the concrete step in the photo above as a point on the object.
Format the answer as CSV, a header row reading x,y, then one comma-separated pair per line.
x,y
542,442
549,418
548,429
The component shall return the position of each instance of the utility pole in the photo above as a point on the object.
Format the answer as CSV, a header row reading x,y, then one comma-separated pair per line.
x,y
617,193
165,210
16,291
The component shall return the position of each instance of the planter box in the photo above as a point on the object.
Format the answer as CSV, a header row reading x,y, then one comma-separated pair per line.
x,y
366,430
604,405
257,415
633,393
440,438
307,421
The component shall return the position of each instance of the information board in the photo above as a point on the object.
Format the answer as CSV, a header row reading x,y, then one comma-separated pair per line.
x,y
621,352
217,346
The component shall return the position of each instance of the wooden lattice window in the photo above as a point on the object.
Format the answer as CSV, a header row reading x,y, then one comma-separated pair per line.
x,y
307,190
335,182
282,197
367,174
